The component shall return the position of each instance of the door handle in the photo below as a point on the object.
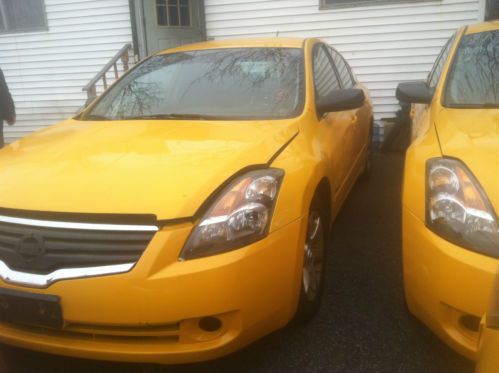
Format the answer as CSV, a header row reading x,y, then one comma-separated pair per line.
x,y
353,118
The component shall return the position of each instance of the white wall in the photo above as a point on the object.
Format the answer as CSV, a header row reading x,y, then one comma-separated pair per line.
x,y
46,70
385,44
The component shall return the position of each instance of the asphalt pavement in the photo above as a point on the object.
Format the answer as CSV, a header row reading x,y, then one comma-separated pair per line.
x,y
362,326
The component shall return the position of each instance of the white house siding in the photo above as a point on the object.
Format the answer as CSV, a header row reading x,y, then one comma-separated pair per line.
x,y
384,44
46,70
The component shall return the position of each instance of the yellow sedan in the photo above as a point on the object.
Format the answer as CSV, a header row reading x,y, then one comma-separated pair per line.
x,y
186,212
451,187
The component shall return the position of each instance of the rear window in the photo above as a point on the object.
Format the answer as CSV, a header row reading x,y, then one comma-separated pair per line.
x,y
474,78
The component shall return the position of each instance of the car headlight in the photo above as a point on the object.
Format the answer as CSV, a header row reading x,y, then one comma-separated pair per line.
x,y
240,215
458,209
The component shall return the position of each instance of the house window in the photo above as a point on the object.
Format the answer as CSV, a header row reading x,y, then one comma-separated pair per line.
x,y
324,4
22,15
173,13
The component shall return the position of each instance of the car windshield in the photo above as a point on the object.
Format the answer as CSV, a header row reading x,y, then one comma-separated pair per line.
x,y
474,80
243,83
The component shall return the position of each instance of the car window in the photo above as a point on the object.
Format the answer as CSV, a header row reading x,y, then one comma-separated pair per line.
x,y
474,79
438,66
343,69
325,78
232,83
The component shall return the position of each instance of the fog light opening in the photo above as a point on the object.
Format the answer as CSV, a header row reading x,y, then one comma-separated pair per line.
x,y
210,324
470,322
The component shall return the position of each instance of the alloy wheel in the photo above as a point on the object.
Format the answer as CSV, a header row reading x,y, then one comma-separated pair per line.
x,y
313,262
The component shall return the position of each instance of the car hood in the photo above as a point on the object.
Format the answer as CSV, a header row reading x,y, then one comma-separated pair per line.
x,y
133,167
472,135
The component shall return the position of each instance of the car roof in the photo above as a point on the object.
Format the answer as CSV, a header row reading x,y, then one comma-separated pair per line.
x,y
482,27
240,43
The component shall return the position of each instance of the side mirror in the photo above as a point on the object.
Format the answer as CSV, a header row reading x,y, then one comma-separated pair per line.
x,y
341,100
414,93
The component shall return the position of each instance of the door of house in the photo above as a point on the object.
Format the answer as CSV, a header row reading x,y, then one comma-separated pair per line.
x,y
492,10
169,23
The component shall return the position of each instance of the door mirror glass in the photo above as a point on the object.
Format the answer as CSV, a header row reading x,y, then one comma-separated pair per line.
x,y
340,100
414,93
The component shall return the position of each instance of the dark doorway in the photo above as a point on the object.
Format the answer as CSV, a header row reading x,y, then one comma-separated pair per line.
x,y
491,10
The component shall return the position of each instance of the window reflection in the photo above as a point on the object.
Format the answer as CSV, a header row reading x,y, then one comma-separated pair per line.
x,y
222,83
474,80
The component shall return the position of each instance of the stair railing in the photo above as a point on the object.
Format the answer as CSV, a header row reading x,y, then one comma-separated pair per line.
x,y
91,87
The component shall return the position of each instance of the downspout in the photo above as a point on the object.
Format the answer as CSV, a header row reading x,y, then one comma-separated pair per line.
x,y
140,27
133,20
202,18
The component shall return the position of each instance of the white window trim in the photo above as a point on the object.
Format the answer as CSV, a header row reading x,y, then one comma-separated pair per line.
x,y
481,10
351,4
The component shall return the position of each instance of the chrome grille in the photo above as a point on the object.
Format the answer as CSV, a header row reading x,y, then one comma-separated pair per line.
x,y
43,246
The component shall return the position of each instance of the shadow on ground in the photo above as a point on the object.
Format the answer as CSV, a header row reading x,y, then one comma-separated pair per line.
x,y
362,326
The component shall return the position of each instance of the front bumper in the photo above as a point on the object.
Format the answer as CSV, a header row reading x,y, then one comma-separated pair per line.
x,y
446,286
152,313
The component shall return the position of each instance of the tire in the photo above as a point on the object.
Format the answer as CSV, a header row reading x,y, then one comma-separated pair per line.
x,y
367,170
314,263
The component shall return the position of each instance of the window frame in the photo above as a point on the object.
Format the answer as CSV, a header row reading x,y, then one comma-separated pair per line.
x,y
446,48
179,26
324,5
5,31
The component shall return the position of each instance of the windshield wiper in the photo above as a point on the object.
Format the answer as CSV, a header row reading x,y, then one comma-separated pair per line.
x,y
174,116
95,117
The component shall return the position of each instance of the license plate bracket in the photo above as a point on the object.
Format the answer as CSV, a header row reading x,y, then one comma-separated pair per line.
x,y
30,309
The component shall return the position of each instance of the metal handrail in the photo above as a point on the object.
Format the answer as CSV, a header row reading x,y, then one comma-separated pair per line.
x,y
91,89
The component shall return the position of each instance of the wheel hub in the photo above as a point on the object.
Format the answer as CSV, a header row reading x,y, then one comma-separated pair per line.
x,y
313,256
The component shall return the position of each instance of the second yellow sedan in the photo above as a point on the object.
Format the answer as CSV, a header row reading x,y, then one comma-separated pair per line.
x,y
186,212
451,187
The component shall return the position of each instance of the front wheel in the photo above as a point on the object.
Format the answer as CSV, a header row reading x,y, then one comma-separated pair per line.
x,y
314,260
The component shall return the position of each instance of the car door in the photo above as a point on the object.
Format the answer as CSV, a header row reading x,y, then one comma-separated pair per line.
x,y
334,129
360,118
